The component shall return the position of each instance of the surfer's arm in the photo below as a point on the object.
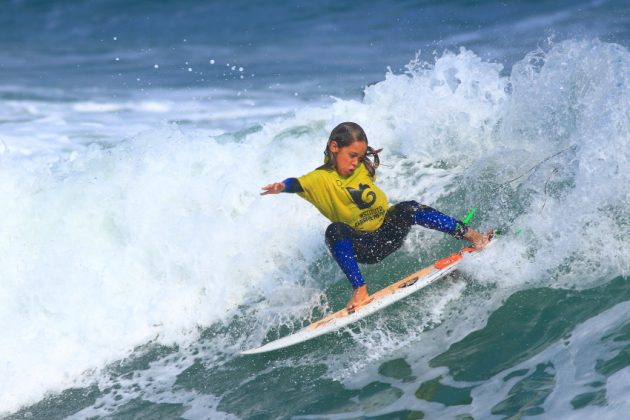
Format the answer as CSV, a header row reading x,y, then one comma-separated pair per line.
x,y
290,185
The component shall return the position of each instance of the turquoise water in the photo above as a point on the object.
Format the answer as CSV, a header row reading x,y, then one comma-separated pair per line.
x,y
137,258
521,350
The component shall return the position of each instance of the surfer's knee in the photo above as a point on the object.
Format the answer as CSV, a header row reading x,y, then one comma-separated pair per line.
x,y
416,207
406,211
336,232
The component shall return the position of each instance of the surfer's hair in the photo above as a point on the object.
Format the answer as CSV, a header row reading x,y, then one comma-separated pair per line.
x,y
344,135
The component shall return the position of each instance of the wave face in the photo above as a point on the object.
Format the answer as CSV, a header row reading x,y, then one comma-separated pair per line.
x,y
137,258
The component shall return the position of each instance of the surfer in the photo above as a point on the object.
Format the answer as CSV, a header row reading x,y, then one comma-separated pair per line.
x,y
364,228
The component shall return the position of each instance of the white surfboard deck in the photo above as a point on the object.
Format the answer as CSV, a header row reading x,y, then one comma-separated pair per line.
x,y
381,299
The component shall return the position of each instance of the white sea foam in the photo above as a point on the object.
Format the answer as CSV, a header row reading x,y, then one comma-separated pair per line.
x,y
575,226
113,248
38,121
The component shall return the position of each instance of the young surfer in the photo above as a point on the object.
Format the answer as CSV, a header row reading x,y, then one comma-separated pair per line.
x,y
365,228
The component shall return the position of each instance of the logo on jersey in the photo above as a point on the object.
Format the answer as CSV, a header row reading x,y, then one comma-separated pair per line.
x,y
358,196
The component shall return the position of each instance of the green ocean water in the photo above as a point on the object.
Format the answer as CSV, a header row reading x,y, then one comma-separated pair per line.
x,y
511,349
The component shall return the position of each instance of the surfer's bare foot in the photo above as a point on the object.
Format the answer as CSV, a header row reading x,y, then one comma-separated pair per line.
x,y
359,298
478,240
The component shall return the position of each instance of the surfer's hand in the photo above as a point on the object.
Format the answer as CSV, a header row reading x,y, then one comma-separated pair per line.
x,y
477,239
275,188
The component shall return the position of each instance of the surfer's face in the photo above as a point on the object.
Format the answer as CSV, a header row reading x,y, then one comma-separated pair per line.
x,y
348,158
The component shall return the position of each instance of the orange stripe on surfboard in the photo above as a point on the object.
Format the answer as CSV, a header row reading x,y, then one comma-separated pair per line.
x,y
445,262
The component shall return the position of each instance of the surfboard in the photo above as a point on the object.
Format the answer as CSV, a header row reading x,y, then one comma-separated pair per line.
x,y
381,299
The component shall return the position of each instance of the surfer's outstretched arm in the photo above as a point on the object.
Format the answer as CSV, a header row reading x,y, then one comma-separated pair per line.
x,y
290,185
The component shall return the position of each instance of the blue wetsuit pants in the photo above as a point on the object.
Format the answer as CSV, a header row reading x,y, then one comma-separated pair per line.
x,y
350,247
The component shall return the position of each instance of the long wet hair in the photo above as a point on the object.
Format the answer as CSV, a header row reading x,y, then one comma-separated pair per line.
x,y
344,135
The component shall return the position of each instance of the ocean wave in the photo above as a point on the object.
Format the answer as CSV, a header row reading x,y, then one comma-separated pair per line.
x,y
162,237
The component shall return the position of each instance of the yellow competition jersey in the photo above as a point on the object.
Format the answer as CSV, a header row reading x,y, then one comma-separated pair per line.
x,y
354,200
